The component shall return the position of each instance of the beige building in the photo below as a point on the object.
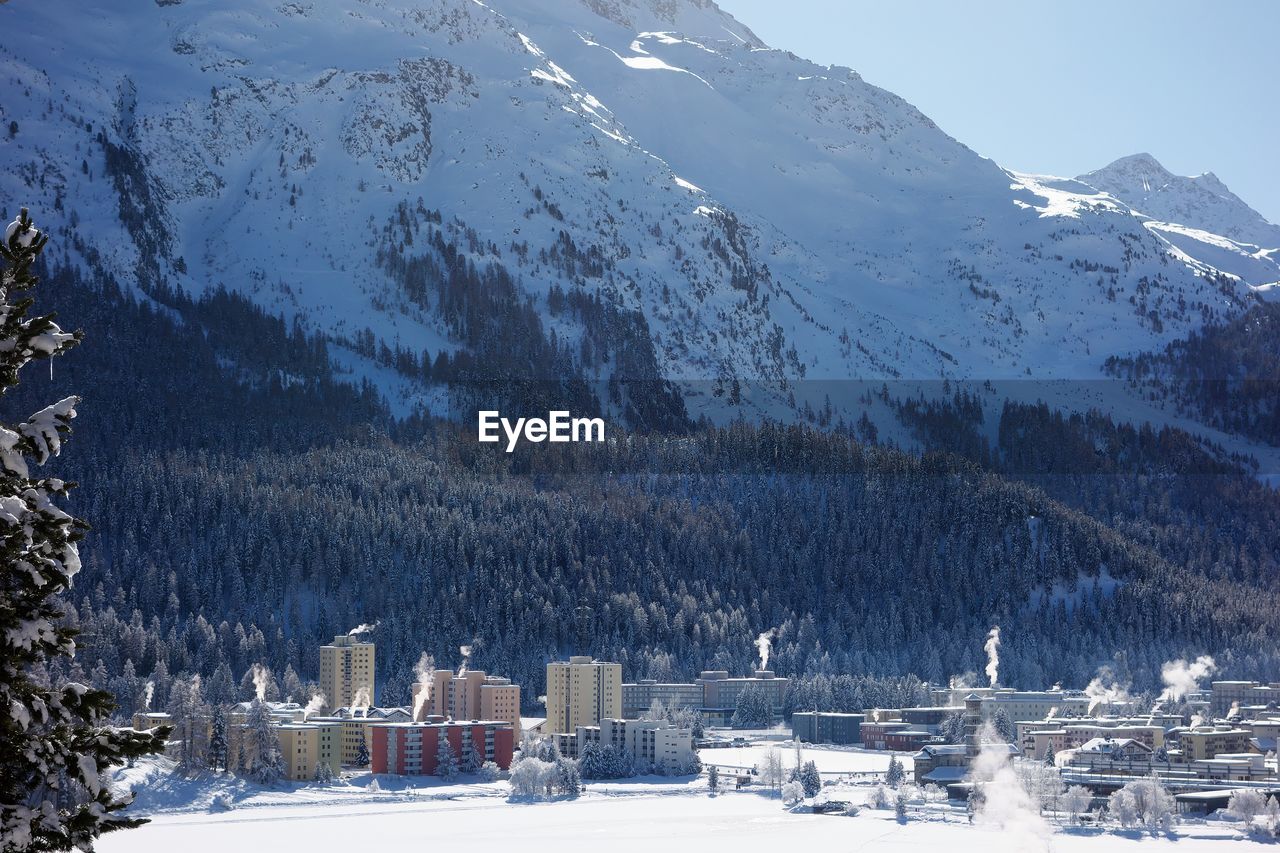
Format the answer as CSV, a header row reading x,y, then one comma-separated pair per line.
x,y
305,746
581,692
470,695
1242,694
346,673
1201,744
652,744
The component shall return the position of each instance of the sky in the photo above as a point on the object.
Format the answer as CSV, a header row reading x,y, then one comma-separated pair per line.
x,y
1066,86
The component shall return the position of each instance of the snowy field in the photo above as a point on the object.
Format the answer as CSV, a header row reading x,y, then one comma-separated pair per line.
x,y
677,813
672,820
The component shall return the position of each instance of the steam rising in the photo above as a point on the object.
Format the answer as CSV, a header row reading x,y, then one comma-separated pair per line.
x,y
147,693
1005,803
362,699
362,629
261,680
764,645
426,664
465,651
314,706
1180,677
992,648
1106,688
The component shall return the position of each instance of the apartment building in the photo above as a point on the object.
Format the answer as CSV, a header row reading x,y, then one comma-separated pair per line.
x,y
639,697
1205,742
581,692
827,727
1241,695
1036,738
347,672
470,695
720,693
411,748
651,743
305,746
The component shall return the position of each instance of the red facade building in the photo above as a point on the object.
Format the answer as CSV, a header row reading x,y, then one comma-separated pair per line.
x,y
411,749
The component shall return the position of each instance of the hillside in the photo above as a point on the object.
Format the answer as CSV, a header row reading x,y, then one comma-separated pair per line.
x,y
731,210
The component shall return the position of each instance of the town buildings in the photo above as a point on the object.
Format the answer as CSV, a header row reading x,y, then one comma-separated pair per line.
x,y
469,695
347,672
640,696
581,692
1244,697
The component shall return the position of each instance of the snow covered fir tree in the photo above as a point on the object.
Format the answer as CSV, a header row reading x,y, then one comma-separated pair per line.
x,y
55,743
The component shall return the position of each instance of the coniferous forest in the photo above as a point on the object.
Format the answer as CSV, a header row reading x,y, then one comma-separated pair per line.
x,y
247,505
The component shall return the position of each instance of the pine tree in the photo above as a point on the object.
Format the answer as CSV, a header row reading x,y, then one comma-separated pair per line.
x,y
188,712
362,753
446,761
54,741
324,773
265,763
713,778
218,740
810,779
472,758
895,774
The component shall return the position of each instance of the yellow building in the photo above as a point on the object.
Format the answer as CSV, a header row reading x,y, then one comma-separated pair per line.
x,y
1208,742
582,692
346,673
305,746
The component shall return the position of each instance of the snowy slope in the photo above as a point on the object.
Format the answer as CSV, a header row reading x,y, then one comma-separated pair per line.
x,y
772,219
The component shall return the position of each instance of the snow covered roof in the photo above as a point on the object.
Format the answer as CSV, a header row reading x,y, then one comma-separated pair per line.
x,y
933,750
954,773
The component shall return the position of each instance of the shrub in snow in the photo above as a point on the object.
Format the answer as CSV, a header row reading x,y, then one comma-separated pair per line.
x,y
490,772
531,776
55,740
374,787
222,803
851,810
1076,802
1144,804
879,798
1246,804
900,806
792,793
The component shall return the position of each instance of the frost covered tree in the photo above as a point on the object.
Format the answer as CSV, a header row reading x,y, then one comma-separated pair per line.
x,y
792,792
1076,801
189,714
895,774
218,751
769,769
1246,804
446,761
567,779
55,743
753,709
324,773
713,779
1003,726
362,753
530,776
1143,803
472,758
264,762
810,779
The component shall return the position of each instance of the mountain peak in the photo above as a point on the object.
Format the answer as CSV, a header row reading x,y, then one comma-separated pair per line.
x,y
1203,202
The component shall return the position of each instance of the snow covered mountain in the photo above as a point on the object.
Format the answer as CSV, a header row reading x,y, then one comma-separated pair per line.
x,y
1197,215
734,212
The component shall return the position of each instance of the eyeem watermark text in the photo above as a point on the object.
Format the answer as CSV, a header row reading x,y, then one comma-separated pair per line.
x,y
557,428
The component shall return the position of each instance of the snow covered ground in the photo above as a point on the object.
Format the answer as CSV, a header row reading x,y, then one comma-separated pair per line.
x,y
633,815
638,819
